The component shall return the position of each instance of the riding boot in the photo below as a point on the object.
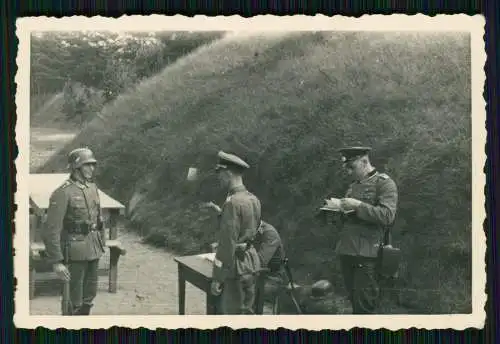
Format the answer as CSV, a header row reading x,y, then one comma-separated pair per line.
x,y
85,310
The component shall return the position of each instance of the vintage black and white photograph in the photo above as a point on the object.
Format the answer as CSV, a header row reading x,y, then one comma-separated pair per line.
x,y
328,169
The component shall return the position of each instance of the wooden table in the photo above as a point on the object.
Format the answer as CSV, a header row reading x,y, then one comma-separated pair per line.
x,y
197,270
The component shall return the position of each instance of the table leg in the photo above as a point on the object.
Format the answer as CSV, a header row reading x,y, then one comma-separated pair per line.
x,y
182,290
211,303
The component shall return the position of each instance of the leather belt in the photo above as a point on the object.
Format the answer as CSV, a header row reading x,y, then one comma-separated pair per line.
x,y
81,228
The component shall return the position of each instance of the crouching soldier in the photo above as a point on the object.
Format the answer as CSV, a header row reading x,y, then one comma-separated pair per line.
x,y
235,267
74,233
271,253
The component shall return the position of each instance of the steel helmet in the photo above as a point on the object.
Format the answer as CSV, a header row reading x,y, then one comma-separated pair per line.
x,y
321,288
80,156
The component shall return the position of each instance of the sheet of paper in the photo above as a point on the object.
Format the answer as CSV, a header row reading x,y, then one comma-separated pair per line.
x,y
208,256
333,203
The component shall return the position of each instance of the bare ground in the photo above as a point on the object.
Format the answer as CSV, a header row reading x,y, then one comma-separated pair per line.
x,y
147,285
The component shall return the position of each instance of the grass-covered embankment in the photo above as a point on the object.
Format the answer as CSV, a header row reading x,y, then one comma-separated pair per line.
x,y
286,103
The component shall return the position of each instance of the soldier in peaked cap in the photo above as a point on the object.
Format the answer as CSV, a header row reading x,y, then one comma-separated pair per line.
x,y
237,263
74,233
372,202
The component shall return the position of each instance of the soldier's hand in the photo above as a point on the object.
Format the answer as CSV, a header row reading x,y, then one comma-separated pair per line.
x,y
211,205
213,246
62,271
349,204
215,288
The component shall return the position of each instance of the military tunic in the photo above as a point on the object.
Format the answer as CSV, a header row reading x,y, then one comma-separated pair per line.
x,y
74,226
361,236
269,247
238,223
271,253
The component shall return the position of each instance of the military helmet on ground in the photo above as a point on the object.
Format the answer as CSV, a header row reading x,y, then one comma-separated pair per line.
x,y
80,156
321,288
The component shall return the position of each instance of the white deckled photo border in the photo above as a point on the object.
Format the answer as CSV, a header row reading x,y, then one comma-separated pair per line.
x,y
396,22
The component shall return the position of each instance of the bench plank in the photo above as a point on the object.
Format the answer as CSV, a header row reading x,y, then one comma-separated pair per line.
x,y
37,247
36,255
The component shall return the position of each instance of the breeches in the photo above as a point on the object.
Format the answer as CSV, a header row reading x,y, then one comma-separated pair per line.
x,y
83,283
360,279
238,295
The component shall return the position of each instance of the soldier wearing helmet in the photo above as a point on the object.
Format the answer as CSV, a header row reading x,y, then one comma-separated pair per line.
x,y
74,231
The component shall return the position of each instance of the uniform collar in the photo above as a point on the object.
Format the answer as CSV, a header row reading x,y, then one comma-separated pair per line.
x,y
368,176
78,182
236,189
261,227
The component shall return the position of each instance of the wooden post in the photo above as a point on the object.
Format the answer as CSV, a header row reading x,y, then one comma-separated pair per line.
x,y
114,215
114,255
34,225
32,280
114,252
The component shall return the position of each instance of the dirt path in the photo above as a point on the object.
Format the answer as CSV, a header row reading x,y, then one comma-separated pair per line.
x,y
147,285
44,142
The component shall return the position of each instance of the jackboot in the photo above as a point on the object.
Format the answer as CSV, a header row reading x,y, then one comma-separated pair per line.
x,y
85,310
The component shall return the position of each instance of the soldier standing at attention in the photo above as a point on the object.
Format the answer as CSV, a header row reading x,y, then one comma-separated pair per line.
x,y
74,233
372,201
236,266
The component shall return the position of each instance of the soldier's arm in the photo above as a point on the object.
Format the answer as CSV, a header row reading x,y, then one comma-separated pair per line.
x,y
53,226
228,235
270,243
384,211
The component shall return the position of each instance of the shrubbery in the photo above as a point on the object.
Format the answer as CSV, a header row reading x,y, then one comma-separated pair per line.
x,y
286,103
94,68
81,103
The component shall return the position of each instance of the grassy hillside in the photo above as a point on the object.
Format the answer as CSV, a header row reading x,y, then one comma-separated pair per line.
x,y
286,103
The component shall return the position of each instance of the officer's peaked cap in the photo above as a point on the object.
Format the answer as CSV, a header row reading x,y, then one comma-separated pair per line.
x,y
351,153
227,160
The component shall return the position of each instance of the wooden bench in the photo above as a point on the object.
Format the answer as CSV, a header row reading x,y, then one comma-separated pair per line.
x,y
37,250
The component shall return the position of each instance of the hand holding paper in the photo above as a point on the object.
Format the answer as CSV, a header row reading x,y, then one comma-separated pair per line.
x,y
349,204
345,205
334,204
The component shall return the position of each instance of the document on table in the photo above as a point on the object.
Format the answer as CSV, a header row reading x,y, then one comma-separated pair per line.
x,y
208,256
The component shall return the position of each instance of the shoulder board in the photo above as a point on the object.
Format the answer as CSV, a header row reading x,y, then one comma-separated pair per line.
x,y
66,184
383,176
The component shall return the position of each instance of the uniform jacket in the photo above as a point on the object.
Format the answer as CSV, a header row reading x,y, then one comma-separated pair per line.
x,y
238,223
363,230
269,246
74,206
